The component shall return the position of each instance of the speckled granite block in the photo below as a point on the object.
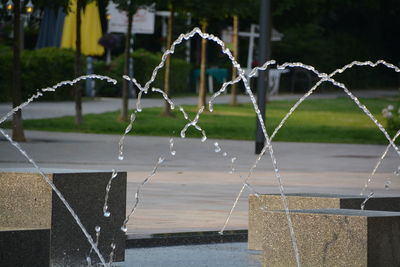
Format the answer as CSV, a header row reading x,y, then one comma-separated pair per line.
x,y
307,201
27,201
333,237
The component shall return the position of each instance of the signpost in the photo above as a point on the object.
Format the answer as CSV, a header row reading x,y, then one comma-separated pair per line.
x,y
143,20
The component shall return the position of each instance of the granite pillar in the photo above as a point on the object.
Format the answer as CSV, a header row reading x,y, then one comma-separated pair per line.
x,y
27,201
333,237
257,206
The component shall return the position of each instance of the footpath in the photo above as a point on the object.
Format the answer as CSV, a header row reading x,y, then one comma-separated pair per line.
x,y
194,190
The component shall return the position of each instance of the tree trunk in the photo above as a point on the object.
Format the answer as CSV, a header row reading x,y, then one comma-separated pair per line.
x,y
17,127
167,107
124,110
203,62
78,87
235,40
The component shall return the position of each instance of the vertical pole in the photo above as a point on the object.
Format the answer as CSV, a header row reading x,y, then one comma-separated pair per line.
x,y
262,82
163,32
89,82
188,24
108,57
235,40
251,47
131,91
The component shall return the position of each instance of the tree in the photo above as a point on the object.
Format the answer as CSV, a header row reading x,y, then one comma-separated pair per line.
x,y
171,6
203,11
235,39
130,7
206,10
17,128
77,66
237,9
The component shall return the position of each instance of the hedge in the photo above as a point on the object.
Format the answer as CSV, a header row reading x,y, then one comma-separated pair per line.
x,y
144,64
47,66
39,68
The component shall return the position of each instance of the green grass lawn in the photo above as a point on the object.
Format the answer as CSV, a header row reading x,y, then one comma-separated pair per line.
x,y
326,120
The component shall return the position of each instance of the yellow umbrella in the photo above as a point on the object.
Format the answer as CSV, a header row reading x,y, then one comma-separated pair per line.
x,y
69,34
90,29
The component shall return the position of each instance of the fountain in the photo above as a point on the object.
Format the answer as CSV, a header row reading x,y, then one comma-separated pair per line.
x,y
291,225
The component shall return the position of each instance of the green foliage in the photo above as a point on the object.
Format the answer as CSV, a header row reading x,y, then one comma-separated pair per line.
x,y
392,115
329,34
39,69
144,63
6,73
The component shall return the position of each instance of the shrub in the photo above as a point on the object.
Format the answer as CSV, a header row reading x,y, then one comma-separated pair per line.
x,y
39,68
6,73
392,115
144,64
46,67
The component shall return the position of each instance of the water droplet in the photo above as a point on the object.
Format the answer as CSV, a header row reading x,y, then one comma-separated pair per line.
x,y
113,245
204,138
133,117
387,185
224,154
124,229
97,229
114,173
233,159
121,157
397,171
128,129
173,152
160,160
107,213
220,232
217,148
365,201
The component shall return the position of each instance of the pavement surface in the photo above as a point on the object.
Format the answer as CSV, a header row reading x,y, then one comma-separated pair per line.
x,y
193,190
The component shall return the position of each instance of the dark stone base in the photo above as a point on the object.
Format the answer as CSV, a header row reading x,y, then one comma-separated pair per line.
x,y
29,203
25,248
85,193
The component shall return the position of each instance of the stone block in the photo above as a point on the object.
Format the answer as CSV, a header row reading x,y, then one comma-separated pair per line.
x,y
24,247
298,201
27,201
333,237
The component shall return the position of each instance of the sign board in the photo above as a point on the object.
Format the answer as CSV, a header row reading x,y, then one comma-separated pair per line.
x,y
143,20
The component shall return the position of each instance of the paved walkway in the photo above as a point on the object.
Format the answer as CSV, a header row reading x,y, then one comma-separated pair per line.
x,y
38,110
194,190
